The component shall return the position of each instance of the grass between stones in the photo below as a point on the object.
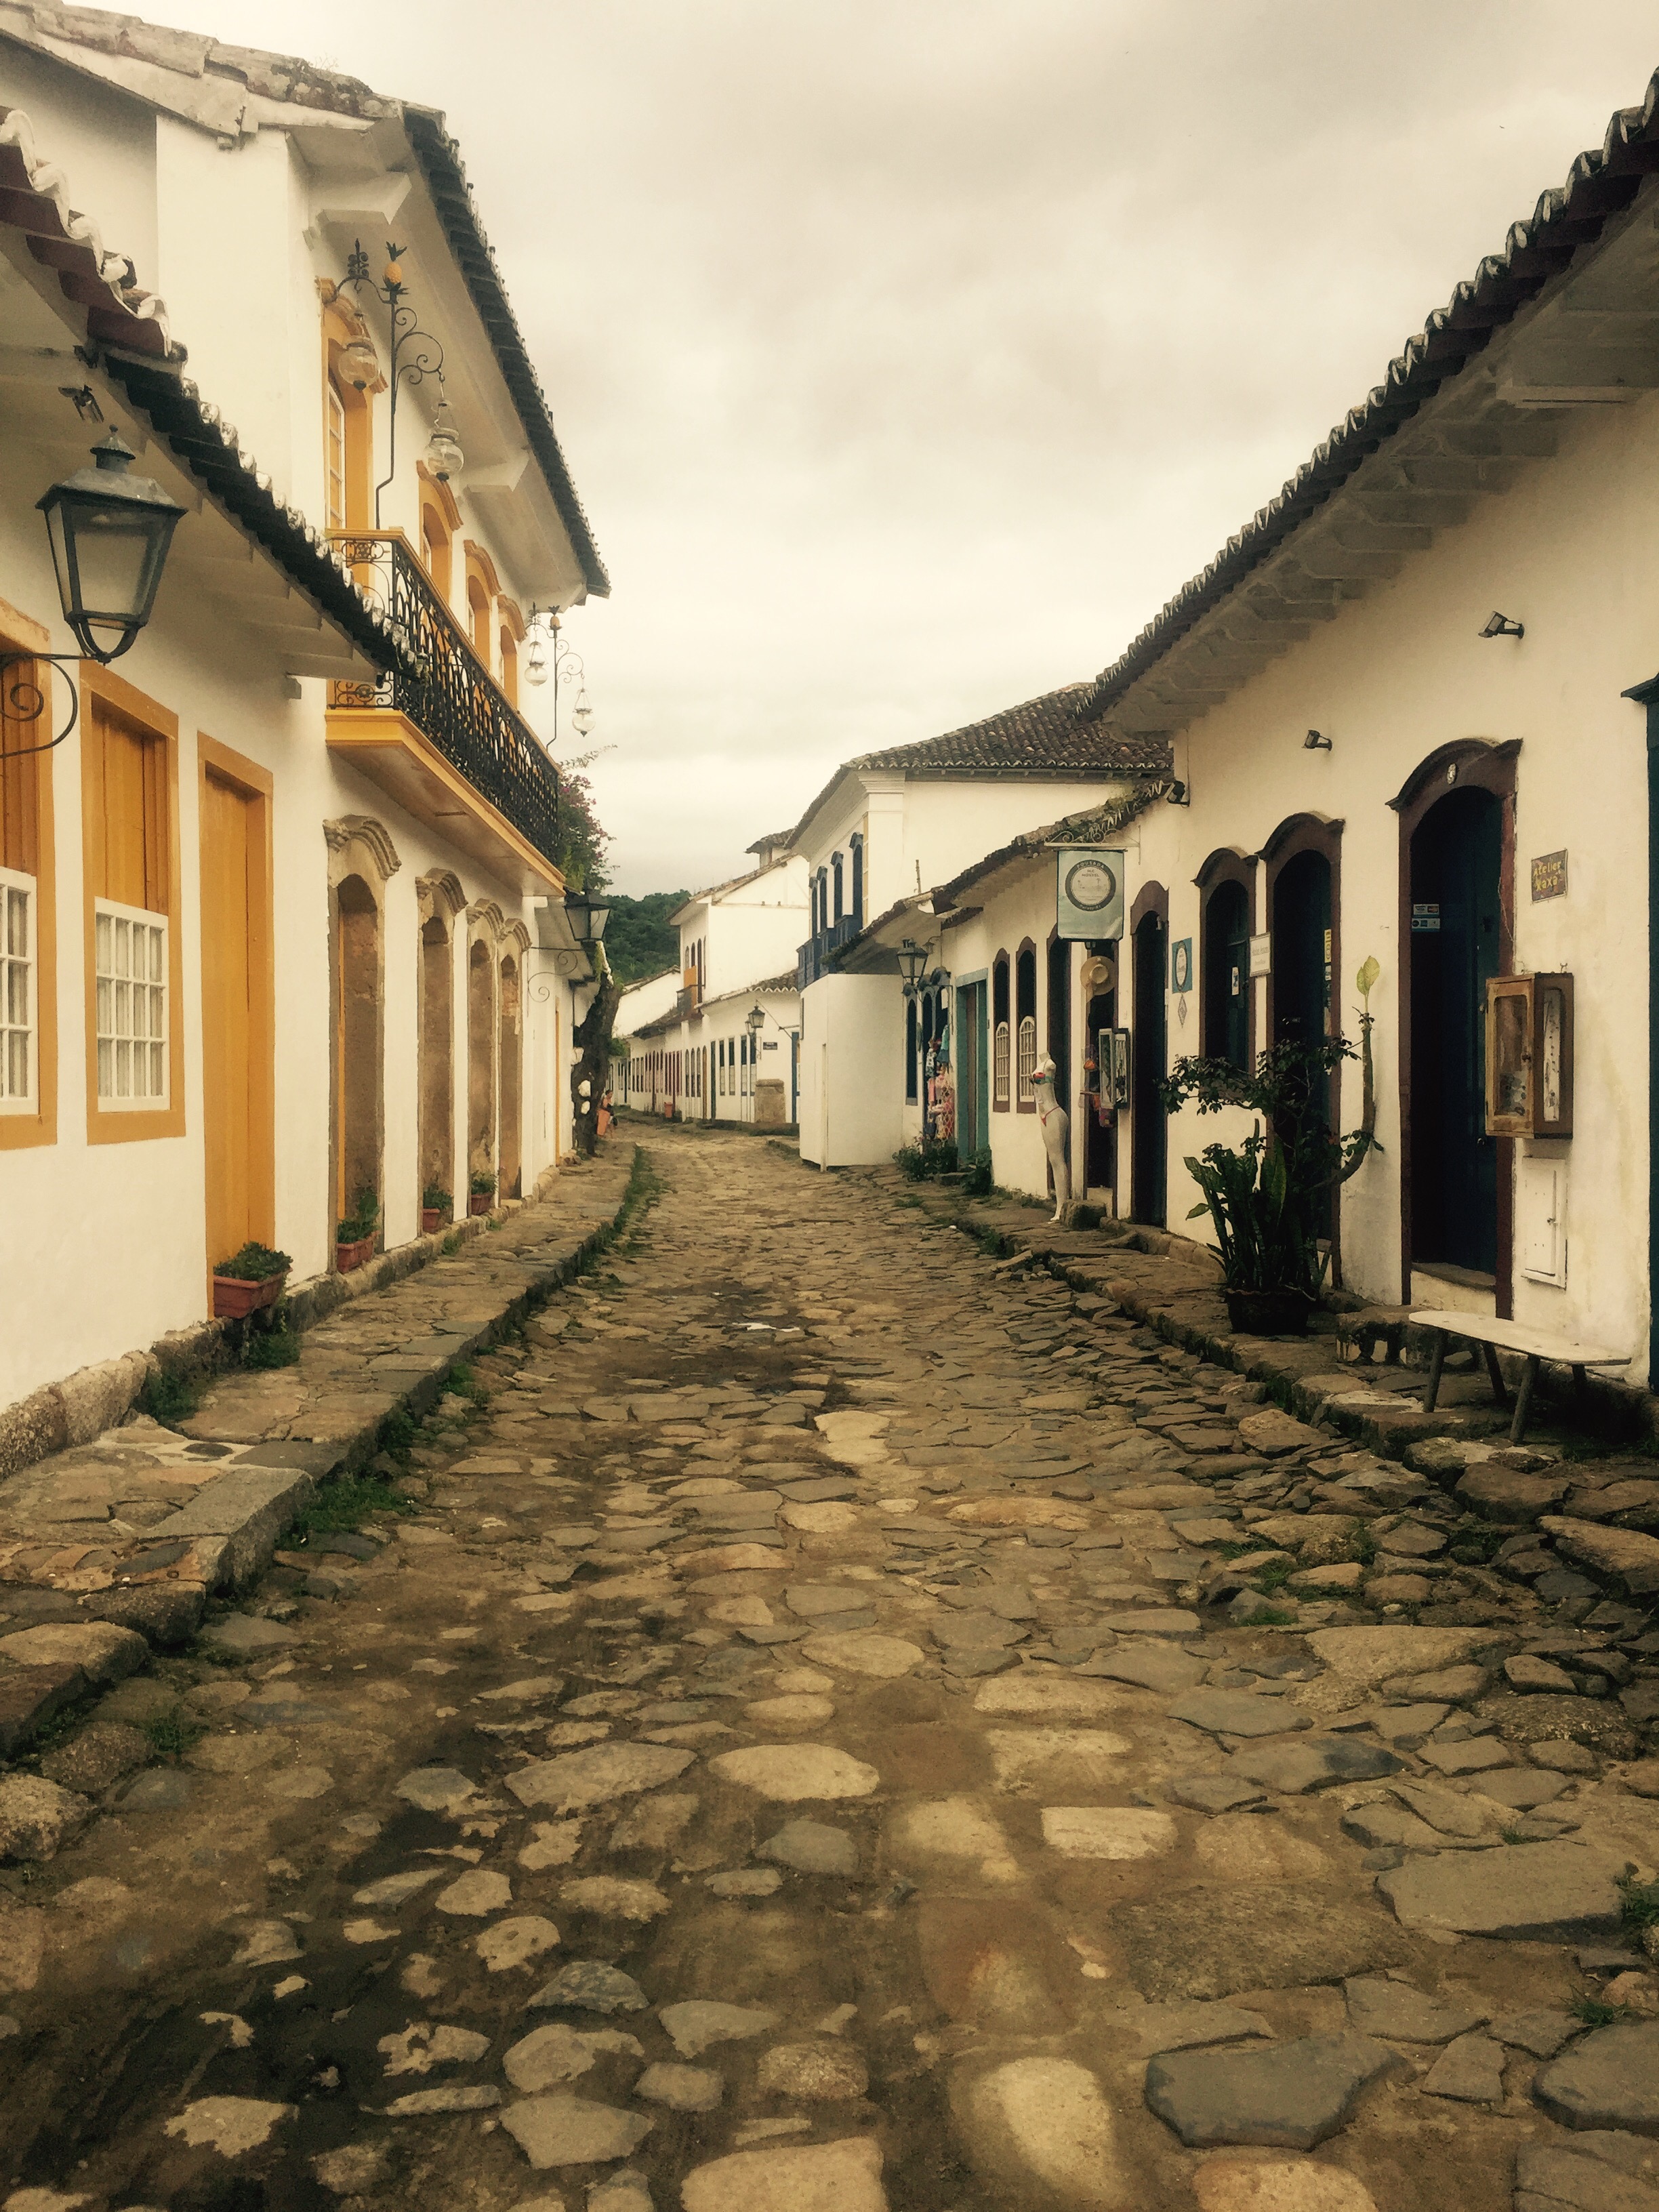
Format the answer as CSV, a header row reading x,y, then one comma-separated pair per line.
x,y
347,1503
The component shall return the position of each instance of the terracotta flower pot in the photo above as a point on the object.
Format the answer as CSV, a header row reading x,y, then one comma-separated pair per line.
x,y
1268,1313
480,1202
432,1220
347,1256
234,1299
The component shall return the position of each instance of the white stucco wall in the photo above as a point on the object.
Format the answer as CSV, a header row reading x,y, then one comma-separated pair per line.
x,y
852,1070
107,1242
919,831
1569,550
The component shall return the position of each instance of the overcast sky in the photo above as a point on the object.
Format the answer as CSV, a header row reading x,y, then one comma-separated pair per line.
x,y
910,354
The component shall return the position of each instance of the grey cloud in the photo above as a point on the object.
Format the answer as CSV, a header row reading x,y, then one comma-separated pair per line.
x,y
909,353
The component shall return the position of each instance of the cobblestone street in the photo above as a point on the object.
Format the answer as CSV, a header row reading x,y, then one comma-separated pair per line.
x,y
827,1719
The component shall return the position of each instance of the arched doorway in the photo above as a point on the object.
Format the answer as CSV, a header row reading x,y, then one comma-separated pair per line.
x,y
1100,1116
357,1051
1455,863
1224,973
1301,949
437,1096
1150,1148
1303,898
511,1081
480,1059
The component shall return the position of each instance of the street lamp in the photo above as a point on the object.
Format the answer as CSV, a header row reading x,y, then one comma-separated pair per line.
x,y
587,917
755,1020
564,664
912,959
110,532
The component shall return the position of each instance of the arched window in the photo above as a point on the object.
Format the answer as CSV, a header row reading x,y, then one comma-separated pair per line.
x,y
478,624
1001,1036
1025,1028
348,424
434,548
509,666
835,868
857,879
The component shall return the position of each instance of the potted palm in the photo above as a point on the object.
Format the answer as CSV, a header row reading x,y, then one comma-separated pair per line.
x,y
436,1206
355,1237
248,1281
1267,1197
482,1194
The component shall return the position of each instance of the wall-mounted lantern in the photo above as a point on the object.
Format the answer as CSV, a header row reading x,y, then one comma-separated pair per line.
x,y
110,533
587,917
912,960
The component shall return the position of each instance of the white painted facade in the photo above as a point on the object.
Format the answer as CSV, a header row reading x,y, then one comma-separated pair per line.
x,y
243,227
697,1056
852,1070
877,841
646,1002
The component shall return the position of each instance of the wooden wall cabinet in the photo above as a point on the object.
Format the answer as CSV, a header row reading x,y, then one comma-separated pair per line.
x,y
1529,1056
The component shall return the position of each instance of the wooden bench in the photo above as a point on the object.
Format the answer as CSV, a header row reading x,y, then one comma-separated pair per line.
x,y
1534,1346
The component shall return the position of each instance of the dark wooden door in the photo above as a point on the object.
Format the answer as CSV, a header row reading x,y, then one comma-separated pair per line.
x,y
1149,1170
1454,949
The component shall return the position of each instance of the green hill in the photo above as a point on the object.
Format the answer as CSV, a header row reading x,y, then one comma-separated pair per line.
x,y
638,940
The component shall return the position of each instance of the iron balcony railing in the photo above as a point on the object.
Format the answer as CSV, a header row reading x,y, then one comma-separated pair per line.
x,y
812,958
446,691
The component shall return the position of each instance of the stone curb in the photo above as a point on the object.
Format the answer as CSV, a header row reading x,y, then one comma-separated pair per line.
x,y
236,1520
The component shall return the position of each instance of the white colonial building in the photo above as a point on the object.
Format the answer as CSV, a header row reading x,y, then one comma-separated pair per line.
x,y
725,1048
883,833
284,903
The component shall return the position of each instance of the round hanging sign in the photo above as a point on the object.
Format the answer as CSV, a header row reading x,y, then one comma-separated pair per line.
x,y
1091,886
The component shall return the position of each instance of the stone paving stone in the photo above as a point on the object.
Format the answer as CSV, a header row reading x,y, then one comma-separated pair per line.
x,y
1213,1938
1399,2014
1470,2070
1237,1712
1297,2094
1560,1892
1610,2078
1227,2184
1297,1765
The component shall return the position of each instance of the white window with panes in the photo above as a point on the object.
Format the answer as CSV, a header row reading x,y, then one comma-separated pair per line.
x,y
1028,1059
132,1005
18,986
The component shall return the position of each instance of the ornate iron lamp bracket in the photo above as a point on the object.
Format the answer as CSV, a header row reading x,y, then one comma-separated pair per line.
x,y
428,361
26,700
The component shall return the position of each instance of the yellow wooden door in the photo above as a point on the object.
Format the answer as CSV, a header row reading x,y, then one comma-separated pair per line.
x,y
235,1051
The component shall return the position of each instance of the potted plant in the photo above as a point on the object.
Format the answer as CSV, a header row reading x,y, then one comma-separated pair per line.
x,y
1267,1196
436,1206
248,1281
481,1193
355,1237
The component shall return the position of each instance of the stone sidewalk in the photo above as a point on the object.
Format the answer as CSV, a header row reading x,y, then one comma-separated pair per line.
x,y
1589,1506
114,1547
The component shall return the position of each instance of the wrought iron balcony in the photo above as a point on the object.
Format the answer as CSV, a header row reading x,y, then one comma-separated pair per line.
x,y
446,690
812,958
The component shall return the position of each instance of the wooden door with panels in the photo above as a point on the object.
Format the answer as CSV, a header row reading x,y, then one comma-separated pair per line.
x,y
238,1041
